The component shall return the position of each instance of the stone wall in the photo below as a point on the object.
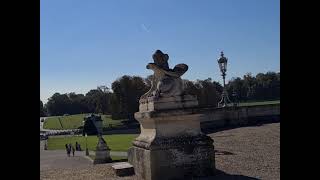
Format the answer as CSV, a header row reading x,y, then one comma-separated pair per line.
x,y
229,116
237,116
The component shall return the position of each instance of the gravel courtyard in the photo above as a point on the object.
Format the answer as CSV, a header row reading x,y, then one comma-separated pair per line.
x,y
241,153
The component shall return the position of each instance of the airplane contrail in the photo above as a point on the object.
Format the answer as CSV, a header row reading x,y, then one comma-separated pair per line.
x,y
145,28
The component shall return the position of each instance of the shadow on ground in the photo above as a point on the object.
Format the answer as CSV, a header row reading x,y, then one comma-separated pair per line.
x,y
218,152
120,160
220,175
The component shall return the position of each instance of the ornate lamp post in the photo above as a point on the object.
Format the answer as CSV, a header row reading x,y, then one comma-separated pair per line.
x,y
87,150
223,68
86,136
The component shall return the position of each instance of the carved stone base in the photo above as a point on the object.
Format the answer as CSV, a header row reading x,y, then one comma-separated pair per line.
x,y
165,103
174,158
171,146
102,152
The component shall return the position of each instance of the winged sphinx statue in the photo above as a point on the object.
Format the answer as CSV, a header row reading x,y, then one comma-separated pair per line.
x,y
166,82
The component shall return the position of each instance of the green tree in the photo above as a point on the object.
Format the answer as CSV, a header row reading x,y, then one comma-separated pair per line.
x,y
42,111
236,85
78,103
103,102
249,83
98,100
123,102
207,91
259,88
268,86
58,104
127,92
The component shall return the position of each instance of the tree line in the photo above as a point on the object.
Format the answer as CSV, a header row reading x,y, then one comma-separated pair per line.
x,y
261,87
123,101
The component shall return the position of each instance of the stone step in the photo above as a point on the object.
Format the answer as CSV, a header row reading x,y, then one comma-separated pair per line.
x,y
123,169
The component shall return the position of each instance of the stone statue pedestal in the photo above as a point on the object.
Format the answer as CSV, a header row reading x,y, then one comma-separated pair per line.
x,y
171,144
165,103
102,152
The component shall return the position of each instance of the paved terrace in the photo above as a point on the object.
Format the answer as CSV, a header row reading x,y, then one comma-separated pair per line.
x,y
244,153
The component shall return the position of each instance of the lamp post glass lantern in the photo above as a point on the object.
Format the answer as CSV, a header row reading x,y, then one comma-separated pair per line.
x,y
222,61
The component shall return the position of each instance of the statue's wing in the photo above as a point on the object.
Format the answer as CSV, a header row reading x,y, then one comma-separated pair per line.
x,y
177,71
180,69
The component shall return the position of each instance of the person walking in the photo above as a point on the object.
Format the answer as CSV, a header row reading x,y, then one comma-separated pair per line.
x,y
72,150
68,150
45,145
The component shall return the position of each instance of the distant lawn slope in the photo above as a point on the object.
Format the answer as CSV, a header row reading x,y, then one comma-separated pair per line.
x,y
118,142
52,123
75,121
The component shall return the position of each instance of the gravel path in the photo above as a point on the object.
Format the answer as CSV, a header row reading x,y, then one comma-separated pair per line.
x,y
58,159
244,153
249,151
55,159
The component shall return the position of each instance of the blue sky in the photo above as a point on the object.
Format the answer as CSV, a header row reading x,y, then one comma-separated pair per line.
x,y
85,43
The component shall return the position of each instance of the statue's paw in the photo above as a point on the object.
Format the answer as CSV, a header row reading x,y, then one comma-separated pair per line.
x,y
156,94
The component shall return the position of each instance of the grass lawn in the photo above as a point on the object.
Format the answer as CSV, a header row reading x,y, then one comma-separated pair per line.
x,y
52,123
259,103
75,121
117,142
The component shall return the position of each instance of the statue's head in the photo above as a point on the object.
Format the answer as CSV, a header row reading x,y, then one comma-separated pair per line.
x,y
160,54
161,59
